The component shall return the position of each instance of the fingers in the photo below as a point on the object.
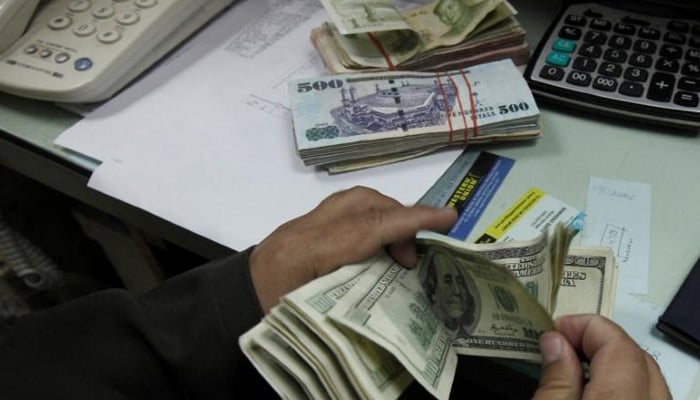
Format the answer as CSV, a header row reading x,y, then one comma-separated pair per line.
x,y
357,237
346,227
360,220
658,388
562,375
619,368
352,201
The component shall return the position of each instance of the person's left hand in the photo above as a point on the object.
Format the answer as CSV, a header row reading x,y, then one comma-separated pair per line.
x,y
346,227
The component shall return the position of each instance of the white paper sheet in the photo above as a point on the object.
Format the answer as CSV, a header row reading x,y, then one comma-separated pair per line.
x,y
618,215
639,319
206,140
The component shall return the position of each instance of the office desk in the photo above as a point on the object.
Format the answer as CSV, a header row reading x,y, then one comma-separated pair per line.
x,y
27,131
573,148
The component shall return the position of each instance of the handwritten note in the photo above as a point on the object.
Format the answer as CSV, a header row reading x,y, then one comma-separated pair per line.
x,y
639,319
618,215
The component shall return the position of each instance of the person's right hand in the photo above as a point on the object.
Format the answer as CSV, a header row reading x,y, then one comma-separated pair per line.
x,y
619,368
346,227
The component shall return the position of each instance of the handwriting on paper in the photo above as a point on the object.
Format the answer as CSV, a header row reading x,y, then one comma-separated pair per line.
x,y
618,215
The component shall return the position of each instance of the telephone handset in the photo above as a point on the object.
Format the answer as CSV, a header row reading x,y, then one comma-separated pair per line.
x,y
14,17
82,51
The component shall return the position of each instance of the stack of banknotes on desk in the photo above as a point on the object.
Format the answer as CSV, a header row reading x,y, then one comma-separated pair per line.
x,y
373,35
354,121
368,330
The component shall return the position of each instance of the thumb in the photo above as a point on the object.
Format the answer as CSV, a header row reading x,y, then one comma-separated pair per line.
x,y
562,377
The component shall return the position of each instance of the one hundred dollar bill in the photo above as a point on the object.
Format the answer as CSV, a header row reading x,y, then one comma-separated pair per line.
x,y
313,350
381,325
274,362
373,372
588,282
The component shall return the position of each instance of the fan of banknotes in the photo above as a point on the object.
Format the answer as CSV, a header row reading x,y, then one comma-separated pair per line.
x,y
368,330
373,35
353,121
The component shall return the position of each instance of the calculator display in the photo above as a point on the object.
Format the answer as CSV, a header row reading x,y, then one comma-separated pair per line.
x,y
679,4
623,62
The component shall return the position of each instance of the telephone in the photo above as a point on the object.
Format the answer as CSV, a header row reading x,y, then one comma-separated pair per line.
x,y
83,51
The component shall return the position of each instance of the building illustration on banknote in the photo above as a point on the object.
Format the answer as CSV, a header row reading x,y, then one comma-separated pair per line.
x,y
401,107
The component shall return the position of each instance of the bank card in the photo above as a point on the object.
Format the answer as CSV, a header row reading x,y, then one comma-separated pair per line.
x,y
533,213
468,185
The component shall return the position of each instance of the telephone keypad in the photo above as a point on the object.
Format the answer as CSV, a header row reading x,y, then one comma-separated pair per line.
x,y
97,47
103,21
79,5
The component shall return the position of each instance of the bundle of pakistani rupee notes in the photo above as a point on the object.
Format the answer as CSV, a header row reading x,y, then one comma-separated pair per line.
x,y
368,330
355,121
443,35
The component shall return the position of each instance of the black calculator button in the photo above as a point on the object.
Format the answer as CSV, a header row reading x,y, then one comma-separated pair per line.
x,y
615,55
575,20
634,21
649,33
605,83
600,24
692,55
620,42
678,26
641,60
675,38
632,89
570,32
552,73
661,87
671,51
645,46
691,69
689,84
594,37
579,78
695,42
592,13
625,29
636,74
585,64
666,65
591,51
610,69
686,99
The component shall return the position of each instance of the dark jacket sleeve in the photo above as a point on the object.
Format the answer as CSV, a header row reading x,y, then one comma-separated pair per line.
x,y
178,341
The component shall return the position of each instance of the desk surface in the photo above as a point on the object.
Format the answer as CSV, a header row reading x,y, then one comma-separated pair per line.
x,y
573,148
27,131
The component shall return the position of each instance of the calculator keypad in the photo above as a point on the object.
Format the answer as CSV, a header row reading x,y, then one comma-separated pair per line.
x,y
624,56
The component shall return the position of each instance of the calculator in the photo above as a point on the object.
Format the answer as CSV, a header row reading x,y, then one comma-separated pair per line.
x,y
638,60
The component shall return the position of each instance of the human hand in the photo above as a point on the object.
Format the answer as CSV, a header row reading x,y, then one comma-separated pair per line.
x,y
346,227
619,368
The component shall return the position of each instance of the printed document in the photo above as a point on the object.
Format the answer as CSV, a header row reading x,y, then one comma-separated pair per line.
x,y
205,141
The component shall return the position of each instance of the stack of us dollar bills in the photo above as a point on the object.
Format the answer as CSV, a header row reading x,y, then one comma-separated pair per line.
x,y
368,330
354,121
442,35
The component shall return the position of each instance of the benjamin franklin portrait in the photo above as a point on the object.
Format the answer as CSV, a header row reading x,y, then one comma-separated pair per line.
x,y
451,291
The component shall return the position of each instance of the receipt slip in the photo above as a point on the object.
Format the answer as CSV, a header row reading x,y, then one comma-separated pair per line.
x,y
533,213
468,185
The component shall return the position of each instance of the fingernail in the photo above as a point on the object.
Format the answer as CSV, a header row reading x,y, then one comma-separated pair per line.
x,y
550,346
